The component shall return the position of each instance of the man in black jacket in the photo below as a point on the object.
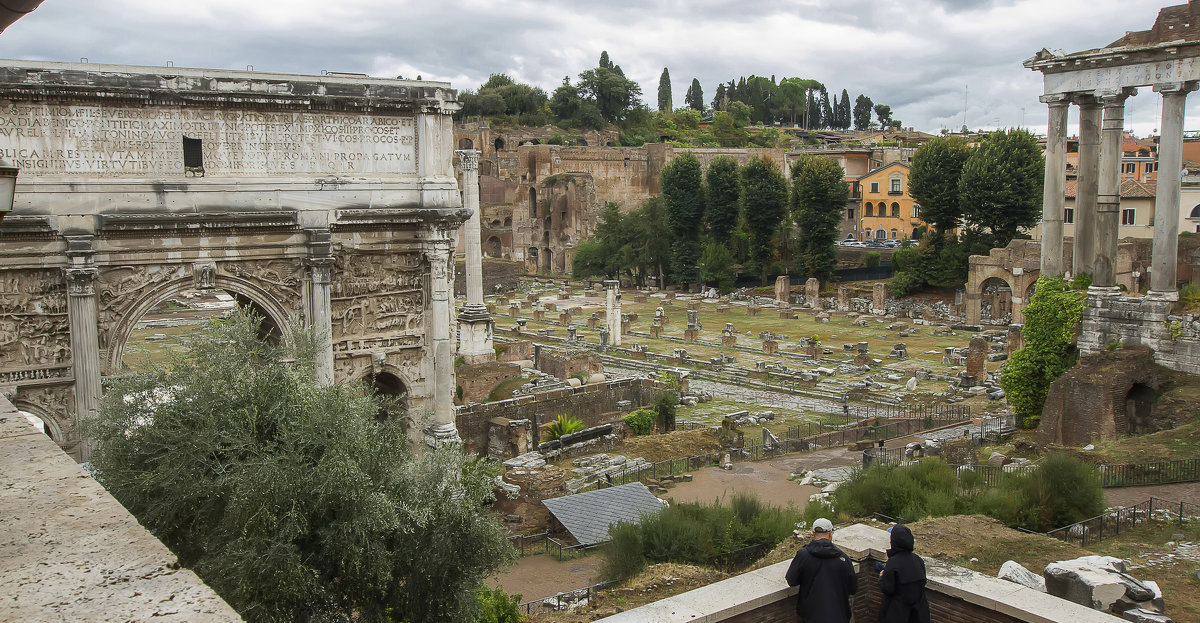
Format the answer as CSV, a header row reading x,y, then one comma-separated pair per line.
x,y
825,576
903,581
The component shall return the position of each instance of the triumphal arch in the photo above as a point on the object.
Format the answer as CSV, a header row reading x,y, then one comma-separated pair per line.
x,y
327,200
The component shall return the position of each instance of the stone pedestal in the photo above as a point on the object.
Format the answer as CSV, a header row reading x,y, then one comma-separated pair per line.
x,y
879,299
783,288
514,311
656,331
475,329
539,315
691,335
812,293
625,324
977,352
564,318
593,323
770,347
550,307
786,313
728,341
1015,339
753,309
843,299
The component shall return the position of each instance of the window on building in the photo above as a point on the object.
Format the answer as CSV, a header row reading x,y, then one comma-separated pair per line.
x,y
193,156
880,234
1068,215
895,184
1131,167
849,214
1129,216
896,210
874,187
868,209
1149,167
894,234
916,211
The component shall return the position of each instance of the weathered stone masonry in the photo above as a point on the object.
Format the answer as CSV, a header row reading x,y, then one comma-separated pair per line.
x,y
325,200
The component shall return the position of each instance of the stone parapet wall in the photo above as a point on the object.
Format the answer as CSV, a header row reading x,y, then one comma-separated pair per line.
x,y
954,593
1129,320
71,552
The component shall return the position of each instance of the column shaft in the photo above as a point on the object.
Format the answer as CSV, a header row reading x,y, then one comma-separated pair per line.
x,y
472,229
1166,200
1087,176
85,334
1108,200
320,267
442,429
1053,196
612,311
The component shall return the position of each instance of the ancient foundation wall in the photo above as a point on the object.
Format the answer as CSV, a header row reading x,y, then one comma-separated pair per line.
x,y
590,403
71,552
1129,320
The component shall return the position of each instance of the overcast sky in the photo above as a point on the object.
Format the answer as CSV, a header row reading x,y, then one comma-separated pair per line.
x,y
923,57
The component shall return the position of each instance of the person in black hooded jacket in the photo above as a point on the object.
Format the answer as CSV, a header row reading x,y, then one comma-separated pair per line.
x,y
825,576
903,582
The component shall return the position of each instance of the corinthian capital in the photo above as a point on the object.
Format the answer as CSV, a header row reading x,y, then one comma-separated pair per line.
x,y
468,159
81,281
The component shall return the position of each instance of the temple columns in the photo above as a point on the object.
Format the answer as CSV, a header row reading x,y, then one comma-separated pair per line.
x,y
1053,196
474,322
1085,188
1166,200
1108,188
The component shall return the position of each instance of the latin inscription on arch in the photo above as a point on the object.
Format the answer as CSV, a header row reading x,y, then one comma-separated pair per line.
x,y
112,141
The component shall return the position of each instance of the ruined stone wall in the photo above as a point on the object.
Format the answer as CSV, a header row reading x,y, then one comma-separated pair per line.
x,y
588,403
1175,339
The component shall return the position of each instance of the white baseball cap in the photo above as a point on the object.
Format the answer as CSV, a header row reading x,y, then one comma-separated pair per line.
x,y
822,525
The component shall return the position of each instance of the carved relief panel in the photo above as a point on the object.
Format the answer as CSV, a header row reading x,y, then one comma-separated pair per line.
x,y
377,301
121,288
34,329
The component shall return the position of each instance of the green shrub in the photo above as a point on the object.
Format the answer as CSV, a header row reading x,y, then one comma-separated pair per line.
x,y
557,139
905,258
582,377
497,606
664,410
1081,282
563,425
641,421
1189,295
904,283
1060,491
698,534
872,259
1051,323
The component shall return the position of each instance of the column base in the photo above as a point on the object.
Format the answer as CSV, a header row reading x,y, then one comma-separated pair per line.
x,y
1163,295
1103,291
441,435
475,328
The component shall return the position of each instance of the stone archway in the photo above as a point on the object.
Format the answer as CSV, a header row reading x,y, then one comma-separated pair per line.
x,y
114,335
49,425
996,301
492,248
389,385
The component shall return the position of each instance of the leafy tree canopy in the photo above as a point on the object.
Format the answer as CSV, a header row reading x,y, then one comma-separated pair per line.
x,y
764,201
819,196
933,181
1000,188
290,498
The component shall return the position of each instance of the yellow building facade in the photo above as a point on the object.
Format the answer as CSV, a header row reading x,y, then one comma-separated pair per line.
x,y
887,211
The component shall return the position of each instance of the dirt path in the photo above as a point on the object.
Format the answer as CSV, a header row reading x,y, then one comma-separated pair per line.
x,y
1125,496
767,479
543,575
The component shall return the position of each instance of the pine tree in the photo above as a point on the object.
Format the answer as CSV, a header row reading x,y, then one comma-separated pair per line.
x,y
683,189
695,96
604,62
827,120
721,100
844,111
664,92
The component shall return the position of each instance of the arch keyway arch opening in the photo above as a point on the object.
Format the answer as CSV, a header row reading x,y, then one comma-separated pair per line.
x,y
393,391
1139,404
156,324
995,301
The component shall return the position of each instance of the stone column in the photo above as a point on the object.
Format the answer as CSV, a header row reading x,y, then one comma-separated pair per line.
x,y
475,326
84,326
1084,248
435,158
442,429
320,272
1053,195
612,310
1108,189
1166,199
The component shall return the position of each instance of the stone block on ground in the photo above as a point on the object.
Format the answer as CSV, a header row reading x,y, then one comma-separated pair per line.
x,y
1014,572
